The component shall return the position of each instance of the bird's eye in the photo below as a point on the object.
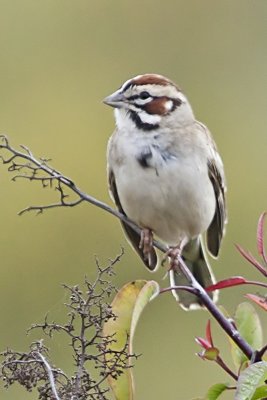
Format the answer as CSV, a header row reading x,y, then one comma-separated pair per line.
x,y
144,95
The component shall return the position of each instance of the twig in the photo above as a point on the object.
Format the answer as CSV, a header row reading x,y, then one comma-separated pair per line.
x,y
261,352
50,375
189,289
42,166
40,209
222,364
217,314
32,361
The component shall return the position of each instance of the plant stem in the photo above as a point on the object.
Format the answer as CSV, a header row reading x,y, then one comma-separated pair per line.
x,y
221,363
217,314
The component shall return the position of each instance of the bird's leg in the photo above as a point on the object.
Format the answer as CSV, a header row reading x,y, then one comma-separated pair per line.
x,y
173,254
146,242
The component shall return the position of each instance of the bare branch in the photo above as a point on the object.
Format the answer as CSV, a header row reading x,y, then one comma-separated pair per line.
x,y
33,167
50,375
40,209
189,289
88,309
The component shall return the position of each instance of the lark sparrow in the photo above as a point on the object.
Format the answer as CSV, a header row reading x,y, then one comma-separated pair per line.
x,y
166,175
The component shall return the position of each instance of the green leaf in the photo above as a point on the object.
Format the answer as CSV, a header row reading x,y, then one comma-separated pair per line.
x,y
249,326
127,305
261,392
215,391
249,380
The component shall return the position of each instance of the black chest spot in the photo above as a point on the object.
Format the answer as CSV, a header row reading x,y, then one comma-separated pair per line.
x,y
144,157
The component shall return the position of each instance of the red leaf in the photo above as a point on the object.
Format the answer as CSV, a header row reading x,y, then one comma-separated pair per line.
x,y
203,342
249,257
259,300
208,333
260,237
225,283
233,281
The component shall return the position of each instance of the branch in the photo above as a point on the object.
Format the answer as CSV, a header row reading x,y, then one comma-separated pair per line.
x,y
222,364
50,375
217,314
34,167
189,289
259,354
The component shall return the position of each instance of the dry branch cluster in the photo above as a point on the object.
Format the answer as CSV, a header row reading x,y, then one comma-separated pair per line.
x,y
87,310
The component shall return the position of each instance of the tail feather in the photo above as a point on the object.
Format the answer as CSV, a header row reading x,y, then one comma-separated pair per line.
x,y
196,260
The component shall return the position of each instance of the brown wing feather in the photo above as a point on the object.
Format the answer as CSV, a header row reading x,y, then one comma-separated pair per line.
x,y
133,236
216,228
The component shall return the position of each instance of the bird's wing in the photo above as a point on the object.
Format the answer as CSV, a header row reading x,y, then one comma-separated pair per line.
x,y
133,237
216,229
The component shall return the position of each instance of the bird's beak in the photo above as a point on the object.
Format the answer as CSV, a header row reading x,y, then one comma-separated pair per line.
x,y
116,100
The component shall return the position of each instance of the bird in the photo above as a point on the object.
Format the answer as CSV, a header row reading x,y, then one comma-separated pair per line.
x,y
166,175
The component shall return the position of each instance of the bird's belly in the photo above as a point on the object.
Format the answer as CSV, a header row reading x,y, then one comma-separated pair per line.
x,y
175,203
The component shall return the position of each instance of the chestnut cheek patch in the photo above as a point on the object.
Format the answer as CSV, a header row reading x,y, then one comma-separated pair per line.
x,y
159,106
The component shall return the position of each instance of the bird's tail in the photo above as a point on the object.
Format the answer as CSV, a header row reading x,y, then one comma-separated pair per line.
x,y
196,260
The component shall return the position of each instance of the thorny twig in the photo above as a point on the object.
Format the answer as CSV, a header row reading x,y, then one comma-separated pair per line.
x,y
51,175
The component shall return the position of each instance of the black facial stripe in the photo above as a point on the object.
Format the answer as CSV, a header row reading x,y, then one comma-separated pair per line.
x,y
176,103
140,124
134,97
137,96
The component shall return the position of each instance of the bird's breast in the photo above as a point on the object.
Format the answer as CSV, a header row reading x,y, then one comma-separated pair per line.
x,y
165,191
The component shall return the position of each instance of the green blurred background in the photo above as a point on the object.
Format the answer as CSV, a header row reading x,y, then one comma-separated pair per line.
x,y
59,59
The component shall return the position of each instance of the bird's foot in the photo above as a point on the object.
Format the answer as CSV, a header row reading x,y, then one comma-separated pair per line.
x,y
146,242
173,254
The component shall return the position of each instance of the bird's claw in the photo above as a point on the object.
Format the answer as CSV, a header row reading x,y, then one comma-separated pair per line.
x,y
173,255
146,241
